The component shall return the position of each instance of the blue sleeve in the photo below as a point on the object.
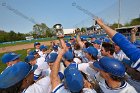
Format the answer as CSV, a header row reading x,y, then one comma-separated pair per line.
x,y
36,77
127,47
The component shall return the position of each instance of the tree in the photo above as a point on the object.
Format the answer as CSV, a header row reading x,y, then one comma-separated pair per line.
x,y
42,30
11,36
115,25
135,21
83,30
127,24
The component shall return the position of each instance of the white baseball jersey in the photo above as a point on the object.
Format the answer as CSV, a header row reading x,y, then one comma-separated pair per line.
x,y
39,52
99,53
61,89
136,65
125,88
85,67
120,55
54,52
41,86
41,69
77,52
82,56
134,83
40,60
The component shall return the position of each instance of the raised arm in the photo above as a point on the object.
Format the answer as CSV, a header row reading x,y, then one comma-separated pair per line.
x,y
55,80
79,41
128,48
133,34
108,30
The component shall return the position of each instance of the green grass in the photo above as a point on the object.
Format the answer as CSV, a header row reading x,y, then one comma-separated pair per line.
x,y
23,52
27,42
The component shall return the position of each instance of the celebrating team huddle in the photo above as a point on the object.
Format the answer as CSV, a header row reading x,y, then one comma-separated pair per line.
x,y
80,65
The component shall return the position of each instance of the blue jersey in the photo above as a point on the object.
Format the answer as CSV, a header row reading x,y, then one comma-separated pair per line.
x,y
129,49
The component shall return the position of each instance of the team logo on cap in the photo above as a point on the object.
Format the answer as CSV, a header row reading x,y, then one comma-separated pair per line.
x,y
13,53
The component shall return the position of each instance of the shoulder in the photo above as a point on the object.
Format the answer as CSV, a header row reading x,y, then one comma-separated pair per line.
x,y
136,65
83,66
60,89
40,86
128,89
87,90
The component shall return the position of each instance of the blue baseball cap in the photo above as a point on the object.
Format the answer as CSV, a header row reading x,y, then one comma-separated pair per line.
x,y
33,52
73,78
83,39
107,40
29,58
68,55
36,43
66,41
110,65
43,47
92,36
97,42
14,74
91,50
55,47
51,57
11,56
102,37
68,44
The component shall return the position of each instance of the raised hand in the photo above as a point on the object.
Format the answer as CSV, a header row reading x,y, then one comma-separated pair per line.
x,y
99,22
134,30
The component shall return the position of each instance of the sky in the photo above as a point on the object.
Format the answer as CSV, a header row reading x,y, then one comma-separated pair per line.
x,y
51,12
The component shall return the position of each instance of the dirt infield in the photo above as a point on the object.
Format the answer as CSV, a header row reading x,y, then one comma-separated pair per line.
x,y
20,47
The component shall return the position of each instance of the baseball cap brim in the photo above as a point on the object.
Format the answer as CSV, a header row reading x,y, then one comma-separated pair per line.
x,y
96,64
15,57
50,60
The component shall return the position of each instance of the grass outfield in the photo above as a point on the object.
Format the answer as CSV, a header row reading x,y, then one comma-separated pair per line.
x,y
26,42
23,52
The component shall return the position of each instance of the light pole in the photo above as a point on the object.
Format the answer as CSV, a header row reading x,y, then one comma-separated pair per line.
x,y
119,13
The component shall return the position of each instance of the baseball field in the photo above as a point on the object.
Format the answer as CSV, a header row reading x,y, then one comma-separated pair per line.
x,y
20,48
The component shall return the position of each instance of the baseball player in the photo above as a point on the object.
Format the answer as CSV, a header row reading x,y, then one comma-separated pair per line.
x,y
12,78
42,65
128,48
97,44
34,53
107,49
55,49
10,58
113,72
91,54
43,85
31,59
92,38
37,46
73,78
43,51
119,54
